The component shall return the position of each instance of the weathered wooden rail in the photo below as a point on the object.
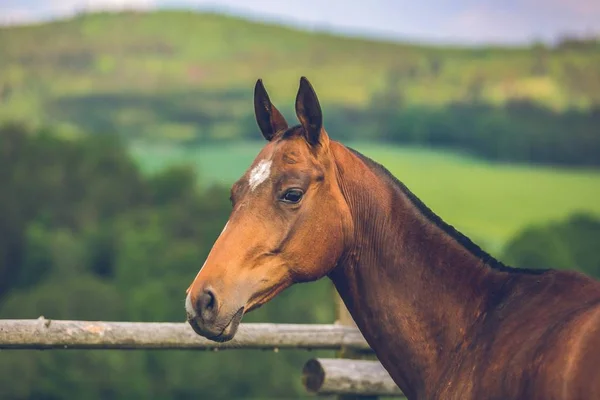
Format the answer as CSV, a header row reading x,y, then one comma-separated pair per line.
x,y
60,334
320,376
339,376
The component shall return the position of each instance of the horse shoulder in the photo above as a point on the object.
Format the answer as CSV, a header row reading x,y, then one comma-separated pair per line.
x,y
582,365
538,343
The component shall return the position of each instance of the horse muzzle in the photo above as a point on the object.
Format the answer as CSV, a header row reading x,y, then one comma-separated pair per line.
x,y
206,317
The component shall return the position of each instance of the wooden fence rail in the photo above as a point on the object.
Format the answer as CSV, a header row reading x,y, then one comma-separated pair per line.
x,y
44,333
340,376
321,376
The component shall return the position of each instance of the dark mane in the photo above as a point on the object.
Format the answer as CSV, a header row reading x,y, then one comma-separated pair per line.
x,y
449,229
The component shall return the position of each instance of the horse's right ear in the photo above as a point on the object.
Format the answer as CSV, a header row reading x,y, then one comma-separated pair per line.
x,y
269,119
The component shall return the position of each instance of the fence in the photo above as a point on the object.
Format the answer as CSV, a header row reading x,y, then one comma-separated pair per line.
x,y
320,376
347,378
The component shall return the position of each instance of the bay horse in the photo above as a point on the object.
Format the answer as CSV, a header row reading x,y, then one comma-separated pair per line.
x,y
446,319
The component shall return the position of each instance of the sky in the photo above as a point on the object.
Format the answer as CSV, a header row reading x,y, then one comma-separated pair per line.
x,y
468,22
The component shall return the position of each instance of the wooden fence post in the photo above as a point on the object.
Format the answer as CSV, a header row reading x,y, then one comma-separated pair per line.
x,y
344,318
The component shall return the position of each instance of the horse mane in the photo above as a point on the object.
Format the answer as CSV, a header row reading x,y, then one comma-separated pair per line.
x,y
463,240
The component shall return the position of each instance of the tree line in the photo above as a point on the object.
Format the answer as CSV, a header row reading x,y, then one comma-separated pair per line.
x,y
518,131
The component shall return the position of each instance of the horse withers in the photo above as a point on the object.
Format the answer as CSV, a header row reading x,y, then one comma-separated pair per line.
x,y
446,320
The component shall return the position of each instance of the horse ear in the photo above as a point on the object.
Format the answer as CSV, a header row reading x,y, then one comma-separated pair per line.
x,y
269,119
308,111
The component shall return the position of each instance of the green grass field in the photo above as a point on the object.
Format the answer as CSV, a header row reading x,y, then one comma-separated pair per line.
x,y
486,201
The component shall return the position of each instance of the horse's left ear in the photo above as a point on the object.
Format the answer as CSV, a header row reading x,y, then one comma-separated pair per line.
x,y
269,119
309,113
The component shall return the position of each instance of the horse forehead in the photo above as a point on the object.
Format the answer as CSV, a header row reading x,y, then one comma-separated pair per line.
x,y
278,155
259,173
274,158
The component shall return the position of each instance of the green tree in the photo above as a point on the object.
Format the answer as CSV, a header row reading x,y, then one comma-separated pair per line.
x,y
571,244
94,239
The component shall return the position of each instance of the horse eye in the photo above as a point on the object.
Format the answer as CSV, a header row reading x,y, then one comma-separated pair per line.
x,y
292,196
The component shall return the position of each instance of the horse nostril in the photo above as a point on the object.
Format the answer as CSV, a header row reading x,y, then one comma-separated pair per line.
x,y
207,305
209,300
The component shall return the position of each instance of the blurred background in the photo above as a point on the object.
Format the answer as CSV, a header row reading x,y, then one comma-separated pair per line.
x,y
123,123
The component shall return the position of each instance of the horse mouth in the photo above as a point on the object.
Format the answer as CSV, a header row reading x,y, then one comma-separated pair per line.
x,y
226,334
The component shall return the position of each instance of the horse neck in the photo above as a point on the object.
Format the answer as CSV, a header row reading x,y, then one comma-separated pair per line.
x,y
410,286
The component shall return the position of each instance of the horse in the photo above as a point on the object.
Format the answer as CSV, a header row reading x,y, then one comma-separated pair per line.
x,y
444,318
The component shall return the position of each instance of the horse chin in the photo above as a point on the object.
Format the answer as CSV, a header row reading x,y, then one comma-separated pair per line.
x,y
230,330
226,334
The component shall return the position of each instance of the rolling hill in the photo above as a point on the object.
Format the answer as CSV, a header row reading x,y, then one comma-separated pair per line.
x,y
182,75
